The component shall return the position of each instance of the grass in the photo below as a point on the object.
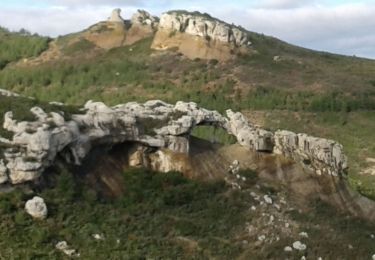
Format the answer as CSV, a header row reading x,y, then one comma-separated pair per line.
x,y
81,45
164,216
18,45
149,220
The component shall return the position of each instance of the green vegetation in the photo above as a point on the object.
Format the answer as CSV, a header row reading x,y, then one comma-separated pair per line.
x,y
82,45
17,45
166,216
214,135
155,217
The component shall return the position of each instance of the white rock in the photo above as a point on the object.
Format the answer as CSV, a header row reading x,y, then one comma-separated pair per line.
x,y
203,26
36,208
373,257
253,208
299,246
267,199
288,249
36,144
262,238
63,247
98,237
304,234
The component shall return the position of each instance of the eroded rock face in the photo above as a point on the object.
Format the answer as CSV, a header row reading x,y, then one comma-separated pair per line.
x,y
321,155
201,36
36,208
203,26
143,18
155,124
116,16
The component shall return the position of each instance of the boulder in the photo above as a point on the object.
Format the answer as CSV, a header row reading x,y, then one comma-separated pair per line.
x,y
299,246
66,249
36,208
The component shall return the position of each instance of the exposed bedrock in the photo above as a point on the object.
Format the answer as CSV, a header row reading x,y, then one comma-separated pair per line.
x,y
157,124
157,135
199,35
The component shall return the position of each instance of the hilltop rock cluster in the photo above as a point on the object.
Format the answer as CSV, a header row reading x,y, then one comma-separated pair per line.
x,y
196,24
156,124
194,34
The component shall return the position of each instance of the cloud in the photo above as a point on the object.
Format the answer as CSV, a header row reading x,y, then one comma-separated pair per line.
x,y
346,29
283,4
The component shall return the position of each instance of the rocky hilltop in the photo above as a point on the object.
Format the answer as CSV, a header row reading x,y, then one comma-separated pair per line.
x,y
199,35
193,34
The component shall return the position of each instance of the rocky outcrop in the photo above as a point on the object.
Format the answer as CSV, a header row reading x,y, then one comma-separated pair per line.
x,y
321,155
199,35
117,32
203,25
116,16
156,124
36,208
143,18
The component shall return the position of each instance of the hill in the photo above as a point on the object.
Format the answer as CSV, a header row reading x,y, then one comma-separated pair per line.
x,y
105,206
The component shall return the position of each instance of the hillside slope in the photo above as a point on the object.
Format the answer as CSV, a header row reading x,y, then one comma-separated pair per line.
x,y
272,75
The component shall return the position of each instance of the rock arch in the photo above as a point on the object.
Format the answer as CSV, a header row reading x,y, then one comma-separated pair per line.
x,y
156,124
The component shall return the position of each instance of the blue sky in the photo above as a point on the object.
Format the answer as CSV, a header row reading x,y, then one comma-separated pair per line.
x,y
340,26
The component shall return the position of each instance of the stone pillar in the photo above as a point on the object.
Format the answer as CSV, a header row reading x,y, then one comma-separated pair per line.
x,y
116,16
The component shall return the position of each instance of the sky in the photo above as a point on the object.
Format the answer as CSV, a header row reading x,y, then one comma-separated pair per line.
x,y
338,26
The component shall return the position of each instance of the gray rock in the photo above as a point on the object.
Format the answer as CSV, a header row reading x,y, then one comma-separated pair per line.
x,y
288,249
204,26
66,249
36,208
267,199
143,18
299,246
36,144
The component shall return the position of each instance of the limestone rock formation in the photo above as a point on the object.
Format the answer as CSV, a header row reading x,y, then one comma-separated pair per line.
x,y
199,35
203,26
36,208
116,16
156,124
141,17
322,155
